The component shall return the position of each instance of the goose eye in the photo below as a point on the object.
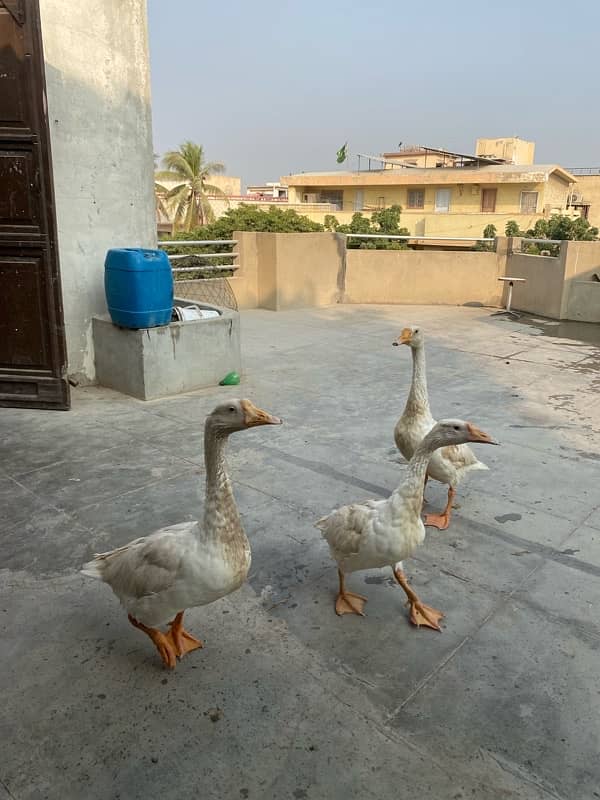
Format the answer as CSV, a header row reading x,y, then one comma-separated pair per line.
x,y
231,409
456,428
416,330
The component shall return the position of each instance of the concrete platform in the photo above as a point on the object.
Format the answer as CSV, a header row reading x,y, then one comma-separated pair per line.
x,y
171,359
503,704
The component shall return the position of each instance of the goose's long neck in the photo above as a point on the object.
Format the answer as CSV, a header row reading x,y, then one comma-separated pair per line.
x,y
221,516
418,399
412,488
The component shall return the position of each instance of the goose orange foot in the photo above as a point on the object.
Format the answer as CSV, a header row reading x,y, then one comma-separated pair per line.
x,y
425,616
442,521
162,642
182,641
348,602
420,615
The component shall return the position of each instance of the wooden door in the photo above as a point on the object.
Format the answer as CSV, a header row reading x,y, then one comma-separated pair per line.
x,y
488,200
32,335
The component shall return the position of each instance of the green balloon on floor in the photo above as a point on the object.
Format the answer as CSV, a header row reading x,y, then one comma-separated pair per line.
x,y
231,379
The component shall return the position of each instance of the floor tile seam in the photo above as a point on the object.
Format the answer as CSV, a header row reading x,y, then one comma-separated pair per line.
x,y
292,506
587,522
114,497
46,505
9,794
103,452
379,722
500,605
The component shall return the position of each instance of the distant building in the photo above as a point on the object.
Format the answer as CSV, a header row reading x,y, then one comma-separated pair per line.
x,y
267,191
443,193
585,195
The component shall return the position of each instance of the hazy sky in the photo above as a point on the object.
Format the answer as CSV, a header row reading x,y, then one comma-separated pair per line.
x,y
271,88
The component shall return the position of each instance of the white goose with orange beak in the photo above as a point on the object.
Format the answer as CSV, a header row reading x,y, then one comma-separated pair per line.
x,y
382,533
158,577
447,465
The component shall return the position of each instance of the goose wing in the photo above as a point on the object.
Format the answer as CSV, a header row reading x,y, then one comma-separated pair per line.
x,y
145,566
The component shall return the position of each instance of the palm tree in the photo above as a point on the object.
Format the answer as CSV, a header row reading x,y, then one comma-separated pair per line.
x,y
189,198
160,194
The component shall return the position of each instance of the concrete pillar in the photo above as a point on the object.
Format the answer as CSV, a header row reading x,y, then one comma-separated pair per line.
x,y
98,87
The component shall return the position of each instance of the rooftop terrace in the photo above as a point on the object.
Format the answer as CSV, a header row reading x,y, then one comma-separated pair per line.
x,y
504,703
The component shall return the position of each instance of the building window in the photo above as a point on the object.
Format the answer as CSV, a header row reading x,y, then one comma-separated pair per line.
x,y
442,201
381,202
359,200
529,202
488,200
416,198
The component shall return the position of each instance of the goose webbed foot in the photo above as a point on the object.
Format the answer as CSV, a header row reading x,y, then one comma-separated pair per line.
x,y
161,641
348,602
182,641
442,521
421,615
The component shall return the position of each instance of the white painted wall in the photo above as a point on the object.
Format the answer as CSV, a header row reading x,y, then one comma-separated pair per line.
x,y
98,85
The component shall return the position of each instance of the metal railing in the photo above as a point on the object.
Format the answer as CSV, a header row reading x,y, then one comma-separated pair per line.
x,y
488,242
419,238
552,249
584,170
202,243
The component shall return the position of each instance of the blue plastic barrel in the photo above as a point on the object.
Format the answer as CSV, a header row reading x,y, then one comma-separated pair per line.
x,y
139,287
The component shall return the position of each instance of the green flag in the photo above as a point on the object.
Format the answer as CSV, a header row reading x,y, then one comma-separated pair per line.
x,y
341,154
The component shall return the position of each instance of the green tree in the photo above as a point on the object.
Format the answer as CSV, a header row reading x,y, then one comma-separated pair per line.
x,y
330,223
562,227
387,220
248,217
489,232
384,221
189,198
559,227
512,228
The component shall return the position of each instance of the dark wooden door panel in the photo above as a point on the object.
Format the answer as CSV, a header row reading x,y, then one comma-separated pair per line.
x,y
23,311
32,335
17,114
19,196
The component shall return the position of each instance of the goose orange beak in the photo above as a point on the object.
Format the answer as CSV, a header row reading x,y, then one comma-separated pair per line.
x,y
477,435
254,416
404,337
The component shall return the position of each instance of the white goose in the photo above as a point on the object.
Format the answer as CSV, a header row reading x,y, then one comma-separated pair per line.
x,y
190,564
448,465
382,533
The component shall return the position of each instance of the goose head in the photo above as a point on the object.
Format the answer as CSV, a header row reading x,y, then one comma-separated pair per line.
x,y
457,431
412,336
237,415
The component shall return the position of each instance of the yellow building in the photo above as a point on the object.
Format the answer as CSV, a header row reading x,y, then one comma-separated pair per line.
x,y
440,200
511,150
585,197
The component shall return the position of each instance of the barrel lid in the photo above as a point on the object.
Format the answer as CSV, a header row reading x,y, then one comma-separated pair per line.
x,y
136,259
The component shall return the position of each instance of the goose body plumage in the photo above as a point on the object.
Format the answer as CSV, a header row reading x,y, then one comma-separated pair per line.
x,y
379,533
174,568
189,564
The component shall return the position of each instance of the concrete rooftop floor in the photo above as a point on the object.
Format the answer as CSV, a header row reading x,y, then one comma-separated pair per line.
x,y
505,703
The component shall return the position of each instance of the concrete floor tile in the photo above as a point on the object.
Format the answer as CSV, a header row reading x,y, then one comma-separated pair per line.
x,y
524,690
